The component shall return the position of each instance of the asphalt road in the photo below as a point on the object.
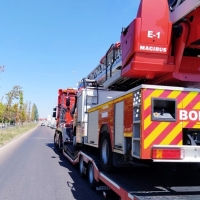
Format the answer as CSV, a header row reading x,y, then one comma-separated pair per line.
x,y
31,169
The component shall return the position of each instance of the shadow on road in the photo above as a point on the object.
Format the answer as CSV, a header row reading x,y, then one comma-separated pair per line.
x,y
63,161
79,188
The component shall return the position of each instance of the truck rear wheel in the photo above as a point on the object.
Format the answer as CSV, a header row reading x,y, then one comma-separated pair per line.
x,y
60,145
106,153
92,181
55,143
81,167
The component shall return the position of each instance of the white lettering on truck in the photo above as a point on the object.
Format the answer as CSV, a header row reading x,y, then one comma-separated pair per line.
x,y
189,115
153,48
151,34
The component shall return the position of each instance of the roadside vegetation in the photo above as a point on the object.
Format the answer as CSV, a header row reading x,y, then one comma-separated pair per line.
x,y
16,116
9,133
14,110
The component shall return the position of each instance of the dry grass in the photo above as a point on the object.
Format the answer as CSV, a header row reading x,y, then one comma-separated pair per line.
x,y
7,134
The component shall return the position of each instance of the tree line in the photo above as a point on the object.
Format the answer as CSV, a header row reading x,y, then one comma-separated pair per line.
x,y
14,109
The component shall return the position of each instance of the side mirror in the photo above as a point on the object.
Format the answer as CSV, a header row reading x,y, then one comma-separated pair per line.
x,y
54,114
68,101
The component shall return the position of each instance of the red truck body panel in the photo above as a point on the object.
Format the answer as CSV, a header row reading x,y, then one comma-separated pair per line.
x,y
63,111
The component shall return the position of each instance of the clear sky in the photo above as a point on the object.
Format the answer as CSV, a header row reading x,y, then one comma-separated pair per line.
x,y
50,44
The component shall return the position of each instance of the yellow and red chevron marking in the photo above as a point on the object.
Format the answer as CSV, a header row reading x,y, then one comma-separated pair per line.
x,y
166,133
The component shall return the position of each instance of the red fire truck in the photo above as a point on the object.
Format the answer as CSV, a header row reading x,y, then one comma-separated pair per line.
x,y
141,104
64,120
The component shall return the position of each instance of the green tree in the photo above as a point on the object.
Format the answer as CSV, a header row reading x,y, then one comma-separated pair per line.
x,y
21,107
21,100
28,111
10,96
15,112
23,115
2,110
34,113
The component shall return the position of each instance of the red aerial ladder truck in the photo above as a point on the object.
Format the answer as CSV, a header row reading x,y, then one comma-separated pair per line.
x,y
141,104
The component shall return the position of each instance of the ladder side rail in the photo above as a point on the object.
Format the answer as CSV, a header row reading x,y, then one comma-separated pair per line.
x,y
107,61
113,60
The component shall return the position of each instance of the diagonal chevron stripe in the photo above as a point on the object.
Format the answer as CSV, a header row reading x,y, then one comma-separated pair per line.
x,y
164,134
174,94
196,126
187,99
167,140
154,134
180,143
193,102
177,139
180,99
197,106
184,124
192,124
147,122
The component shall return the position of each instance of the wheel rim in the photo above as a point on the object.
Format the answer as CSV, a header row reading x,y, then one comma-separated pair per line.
x,y
81,165
105,152
91,173
55,139
59,143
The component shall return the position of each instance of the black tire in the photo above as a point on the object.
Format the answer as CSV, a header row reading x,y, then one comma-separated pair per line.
x,y
91,179
106,153
81,167
172,2
60,145
55,144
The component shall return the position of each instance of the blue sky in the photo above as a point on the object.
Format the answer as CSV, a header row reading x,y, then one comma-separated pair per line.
x,y
50,44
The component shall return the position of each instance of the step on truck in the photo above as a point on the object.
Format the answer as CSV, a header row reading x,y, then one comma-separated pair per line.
x,y
140,105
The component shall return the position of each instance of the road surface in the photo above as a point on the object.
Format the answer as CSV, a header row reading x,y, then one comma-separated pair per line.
x,y
30,169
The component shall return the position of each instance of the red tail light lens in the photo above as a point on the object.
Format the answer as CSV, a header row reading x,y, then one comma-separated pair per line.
x,y
173,153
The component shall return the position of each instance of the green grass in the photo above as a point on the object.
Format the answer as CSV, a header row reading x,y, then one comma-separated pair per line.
x,y
10,133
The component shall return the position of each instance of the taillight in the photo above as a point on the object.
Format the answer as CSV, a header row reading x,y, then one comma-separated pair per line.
x,y
167,153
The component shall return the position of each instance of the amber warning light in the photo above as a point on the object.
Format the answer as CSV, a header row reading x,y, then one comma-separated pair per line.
x,y
167,153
